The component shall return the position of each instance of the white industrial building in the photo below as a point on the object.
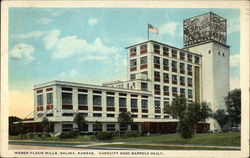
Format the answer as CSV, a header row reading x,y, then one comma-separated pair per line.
x,y
157,72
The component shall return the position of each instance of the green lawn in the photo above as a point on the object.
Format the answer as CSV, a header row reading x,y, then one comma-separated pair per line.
x,y
228,139
162,147
225,139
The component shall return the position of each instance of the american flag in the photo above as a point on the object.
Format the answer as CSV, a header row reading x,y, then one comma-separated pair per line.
x,y
152,29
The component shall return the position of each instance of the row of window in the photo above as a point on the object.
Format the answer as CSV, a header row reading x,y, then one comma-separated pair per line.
x,y
99,127
174,77
165,62
166,52
49,98
97,100
174,89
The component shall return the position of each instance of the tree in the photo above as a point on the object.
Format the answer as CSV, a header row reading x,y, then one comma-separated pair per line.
x,y
221,117
80,121
22,128
46,124
178,107
233,104
125,118
190,114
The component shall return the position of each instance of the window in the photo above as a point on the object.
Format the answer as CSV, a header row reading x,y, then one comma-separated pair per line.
x,y
165,62
190,81
67,114
49,98
110,101
40,100
134,127
189,68
165,49
157,116
157,87
67,98
133,63
174,64
67,127
110,115
134,103
166,103
143,60
144,103
134,116
182,55
144,86
122,102
156,48
157,105
174,53
174,89
133,50
143,47
66,89
209,51
218,53
190,93
156,60
83,90
166,88
132,76
97,127
182,66
84,114
97,100
157,74
174,77
189,57
97,115
82,99
165,76
144,116
123,127
182,79
197,59
182,91
110,127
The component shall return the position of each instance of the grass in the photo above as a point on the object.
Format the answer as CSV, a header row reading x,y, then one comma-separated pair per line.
x,y
223,139
227,139
162,147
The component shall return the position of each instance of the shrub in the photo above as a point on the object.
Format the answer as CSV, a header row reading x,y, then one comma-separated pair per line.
x,y
132,134
104,135
185,129
66,135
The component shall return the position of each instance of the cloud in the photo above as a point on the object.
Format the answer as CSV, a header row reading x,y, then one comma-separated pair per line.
x,y
43,21
233,25
57,11
72,45
51,38
168,28
93,21
235,60
32,34
22,51
234,83
71,74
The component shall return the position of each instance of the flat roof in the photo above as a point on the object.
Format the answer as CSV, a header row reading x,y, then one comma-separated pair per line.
x,y
89,86
181,49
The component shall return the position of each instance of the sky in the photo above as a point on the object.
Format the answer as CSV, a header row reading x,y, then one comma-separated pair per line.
x,y
88,44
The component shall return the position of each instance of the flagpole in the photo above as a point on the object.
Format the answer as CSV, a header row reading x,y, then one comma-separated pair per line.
x,y
148,33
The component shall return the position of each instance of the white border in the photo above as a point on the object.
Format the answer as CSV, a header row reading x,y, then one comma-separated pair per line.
x,y
244,53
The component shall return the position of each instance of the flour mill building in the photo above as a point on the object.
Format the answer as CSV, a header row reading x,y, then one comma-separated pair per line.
x,y
157,72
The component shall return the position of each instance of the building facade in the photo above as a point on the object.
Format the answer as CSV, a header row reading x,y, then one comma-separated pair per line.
x,y
157,73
